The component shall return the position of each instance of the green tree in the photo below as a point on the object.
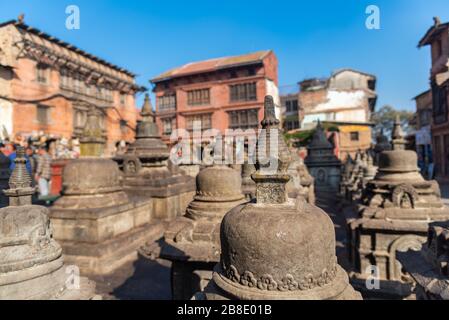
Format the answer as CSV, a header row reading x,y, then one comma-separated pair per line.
x,y
385,117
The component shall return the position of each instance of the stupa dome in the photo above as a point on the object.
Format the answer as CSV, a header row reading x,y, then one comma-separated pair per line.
x,y
91,175
302,244
218,183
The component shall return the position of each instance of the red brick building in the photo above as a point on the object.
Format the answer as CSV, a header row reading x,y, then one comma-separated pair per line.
x,y
49,86
221,93
437,37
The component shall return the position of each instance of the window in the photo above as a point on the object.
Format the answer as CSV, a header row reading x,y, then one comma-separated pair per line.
x,y
291,105
198,97
166,102
124,126
205,120
167,126
439,95
43,73
243,92
291,125
251,72
43,114
354,136
244,119
122,98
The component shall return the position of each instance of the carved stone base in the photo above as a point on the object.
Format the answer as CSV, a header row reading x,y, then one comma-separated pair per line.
x,y
44,282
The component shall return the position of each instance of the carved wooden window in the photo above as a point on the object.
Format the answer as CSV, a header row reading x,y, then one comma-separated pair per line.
x,y
43,73
167,127
243,92
43,114
439,96
244,119
205,120
198,97
167,102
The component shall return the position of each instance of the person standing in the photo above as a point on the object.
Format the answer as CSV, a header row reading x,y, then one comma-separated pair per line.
x,y
43,172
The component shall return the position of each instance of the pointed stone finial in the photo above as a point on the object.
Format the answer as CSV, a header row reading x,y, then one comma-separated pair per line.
x,y
20,190
147,110
273,159
397,135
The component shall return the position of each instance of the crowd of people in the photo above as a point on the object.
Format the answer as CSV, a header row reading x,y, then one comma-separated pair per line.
x,y
39,153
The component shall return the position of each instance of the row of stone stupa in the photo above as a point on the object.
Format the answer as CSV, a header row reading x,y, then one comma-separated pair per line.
x,y
387,214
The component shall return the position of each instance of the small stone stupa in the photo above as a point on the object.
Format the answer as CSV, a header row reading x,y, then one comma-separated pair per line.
x,y
4,178
31,261
395,210
322,163
148,172
192,242
429,267
277,247
98,225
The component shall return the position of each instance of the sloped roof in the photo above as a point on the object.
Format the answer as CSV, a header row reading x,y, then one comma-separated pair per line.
x,y
433,31
39,33
213,65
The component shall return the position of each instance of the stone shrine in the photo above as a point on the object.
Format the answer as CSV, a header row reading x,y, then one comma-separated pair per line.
x,y
97,224
192,242
277,247
429,267
148,172
4,178
322,163
395,210
31,261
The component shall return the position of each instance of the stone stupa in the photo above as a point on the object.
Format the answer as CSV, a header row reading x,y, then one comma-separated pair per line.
x,y
276,247
395,210
322,163
97,224
31,261
192,242
148,172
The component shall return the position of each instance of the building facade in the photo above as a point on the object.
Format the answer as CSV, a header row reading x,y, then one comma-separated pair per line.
x,y
49,86
289,108
437,37
224,93
346,101
423,135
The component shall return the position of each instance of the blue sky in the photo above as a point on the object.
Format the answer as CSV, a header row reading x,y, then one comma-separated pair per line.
x,y
310,38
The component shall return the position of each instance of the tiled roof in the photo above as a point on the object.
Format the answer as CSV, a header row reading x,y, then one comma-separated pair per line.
x,y
212,65
63,44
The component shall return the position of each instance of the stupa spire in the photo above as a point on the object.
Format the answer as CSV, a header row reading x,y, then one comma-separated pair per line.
x,y
20,190
397,136
147,110
273,159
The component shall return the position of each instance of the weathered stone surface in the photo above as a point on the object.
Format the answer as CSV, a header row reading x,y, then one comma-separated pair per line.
x,y
96,223
276,247
395,210
322,163
148,172
192,242
31,261
429,266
